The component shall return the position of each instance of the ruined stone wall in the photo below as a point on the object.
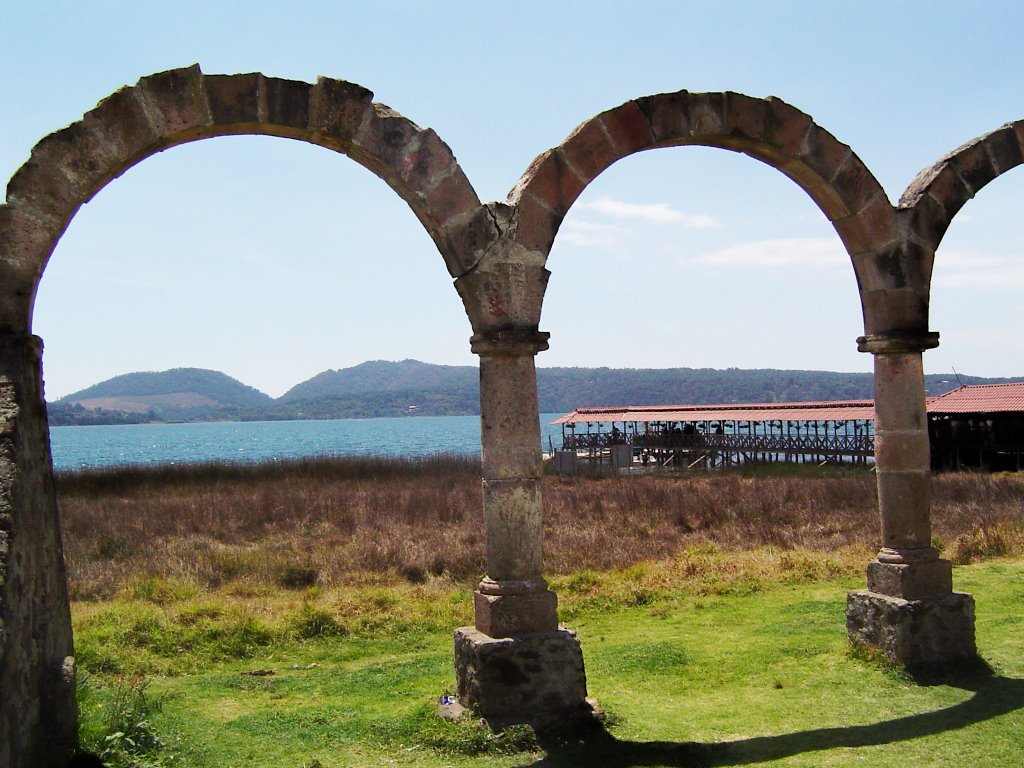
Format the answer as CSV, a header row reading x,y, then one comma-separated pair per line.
x,y
37,687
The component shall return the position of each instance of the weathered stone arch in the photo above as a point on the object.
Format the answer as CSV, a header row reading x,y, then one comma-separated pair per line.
x,y
938,192
769,130
67,168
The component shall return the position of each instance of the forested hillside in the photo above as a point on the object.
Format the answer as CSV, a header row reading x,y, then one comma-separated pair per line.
x,y
410,387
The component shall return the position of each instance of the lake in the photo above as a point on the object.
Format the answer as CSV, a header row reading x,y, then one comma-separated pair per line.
x,y
257,441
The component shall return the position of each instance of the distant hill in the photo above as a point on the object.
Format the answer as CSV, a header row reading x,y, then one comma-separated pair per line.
x,y
180,394
411,387
378,376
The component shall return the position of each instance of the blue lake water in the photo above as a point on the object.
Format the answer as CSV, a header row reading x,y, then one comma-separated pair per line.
x,y
255,441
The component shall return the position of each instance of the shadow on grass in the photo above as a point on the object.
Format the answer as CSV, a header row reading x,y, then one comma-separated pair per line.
x,y
993,696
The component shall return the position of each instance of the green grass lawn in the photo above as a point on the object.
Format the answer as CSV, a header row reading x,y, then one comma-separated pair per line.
x,y
756,677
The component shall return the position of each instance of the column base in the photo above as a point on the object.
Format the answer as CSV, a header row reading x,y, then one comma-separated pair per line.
x,y
537,679
511,615
931,631
911,580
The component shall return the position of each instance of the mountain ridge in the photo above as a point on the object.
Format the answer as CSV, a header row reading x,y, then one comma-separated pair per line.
x,y
411,387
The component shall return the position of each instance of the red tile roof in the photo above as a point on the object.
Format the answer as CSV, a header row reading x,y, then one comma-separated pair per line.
x,y
971,398
840,410
980,398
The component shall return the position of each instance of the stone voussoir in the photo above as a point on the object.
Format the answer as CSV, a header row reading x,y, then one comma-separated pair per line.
x,y
628,128
589,149
235,99
745,116
176,103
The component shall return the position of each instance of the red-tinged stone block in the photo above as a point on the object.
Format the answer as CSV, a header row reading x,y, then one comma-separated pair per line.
x,y
918,260
902,450
871,229
745,116
824,153
383,140
77,154
905,501
894,310
1018,128
668,114
425,162
234,98
26,243
121,122
785,127
707,115
822,192
537,225
899,392
43,187
856,184
288,103
628,128
176,102
589,150
929,221
932,578
338,110
1004,149
465,239
880,270
974,165
948,189
452,198
515,615
551,180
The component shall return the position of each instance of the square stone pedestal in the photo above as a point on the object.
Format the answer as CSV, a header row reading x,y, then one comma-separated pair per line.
x,y
913,633
536,678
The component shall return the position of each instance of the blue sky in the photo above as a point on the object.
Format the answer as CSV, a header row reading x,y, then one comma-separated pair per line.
x,y
273,260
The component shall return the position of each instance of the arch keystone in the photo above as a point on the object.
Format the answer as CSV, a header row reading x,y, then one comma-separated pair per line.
x,y
668,115
236,99
745,116
287,105
707,115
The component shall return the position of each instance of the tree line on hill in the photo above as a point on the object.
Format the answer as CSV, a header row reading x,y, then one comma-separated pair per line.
x,y
409,387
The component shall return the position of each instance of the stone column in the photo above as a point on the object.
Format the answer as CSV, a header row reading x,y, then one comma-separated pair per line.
x,y
909,610
515,665
38,714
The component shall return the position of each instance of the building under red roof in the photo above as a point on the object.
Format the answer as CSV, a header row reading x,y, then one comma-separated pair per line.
x,y
979,425
980,398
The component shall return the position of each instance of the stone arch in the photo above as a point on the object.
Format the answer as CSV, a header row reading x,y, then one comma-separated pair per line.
x,y
769,130
67,168
938,192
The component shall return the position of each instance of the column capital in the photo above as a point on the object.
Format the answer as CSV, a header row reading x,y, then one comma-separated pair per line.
x,y
509,342
897,342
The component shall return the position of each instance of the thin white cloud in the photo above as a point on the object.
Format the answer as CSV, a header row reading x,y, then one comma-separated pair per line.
x,y
782,252
975,269
590,233
655,213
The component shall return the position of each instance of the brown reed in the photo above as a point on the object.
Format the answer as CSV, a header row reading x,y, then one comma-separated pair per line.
x,y
362,521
